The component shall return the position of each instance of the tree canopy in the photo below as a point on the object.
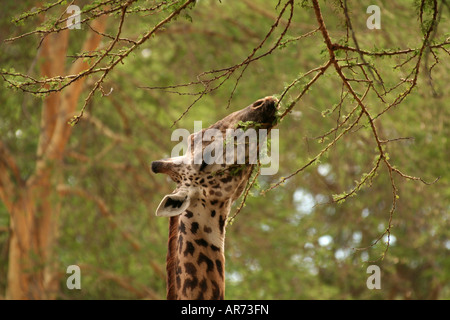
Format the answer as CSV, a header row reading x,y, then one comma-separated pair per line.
x,y
364,148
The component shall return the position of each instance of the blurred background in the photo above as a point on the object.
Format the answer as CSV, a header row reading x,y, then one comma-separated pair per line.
x,y
97,200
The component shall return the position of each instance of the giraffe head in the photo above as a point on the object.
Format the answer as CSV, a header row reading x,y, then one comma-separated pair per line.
x,y
216,167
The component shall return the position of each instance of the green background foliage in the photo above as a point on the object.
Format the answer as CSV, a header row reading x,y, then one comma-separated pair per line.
x,y
292,243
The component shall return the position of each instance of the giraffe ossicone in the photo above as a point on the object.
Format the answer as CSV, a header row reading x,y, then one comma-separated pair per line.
x,y
199,206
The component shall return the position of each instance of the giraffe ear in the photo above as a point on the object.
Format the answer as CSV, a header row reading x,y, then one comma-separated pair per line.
x,y
173,204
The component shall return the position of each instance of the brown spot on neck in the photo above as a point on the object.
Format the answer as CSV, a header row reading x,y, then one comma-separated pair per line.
x,y
171,258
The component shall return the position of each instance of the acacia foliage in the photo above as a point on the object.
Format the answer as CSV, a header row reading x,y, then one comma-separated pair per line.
x,y
296,241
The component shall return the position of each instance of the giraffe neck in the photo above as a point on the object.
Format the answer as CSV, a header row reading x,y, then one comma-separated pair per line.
x,y
195,258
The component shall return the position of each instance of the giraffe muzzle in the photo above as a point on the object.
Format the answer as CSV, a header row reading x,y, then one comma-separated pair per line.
x,y
261,111
267,102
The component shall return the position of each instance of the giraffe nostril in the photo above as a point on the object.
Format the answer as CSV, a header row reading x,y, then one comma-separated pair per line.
x,y
258,104
267,102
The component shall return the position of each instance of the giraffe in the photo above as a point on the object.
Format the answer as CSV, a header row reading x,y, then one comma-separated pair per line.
x,y
199,207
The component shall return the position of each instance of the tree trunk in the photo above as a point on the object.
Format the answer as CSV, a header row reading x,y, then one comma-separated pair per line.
x,y
32,269
20,243
33,222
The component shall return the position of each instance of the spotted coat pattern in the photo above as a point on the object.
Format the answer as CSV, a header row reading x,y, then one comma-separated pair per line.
x,y
198,243
195,258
